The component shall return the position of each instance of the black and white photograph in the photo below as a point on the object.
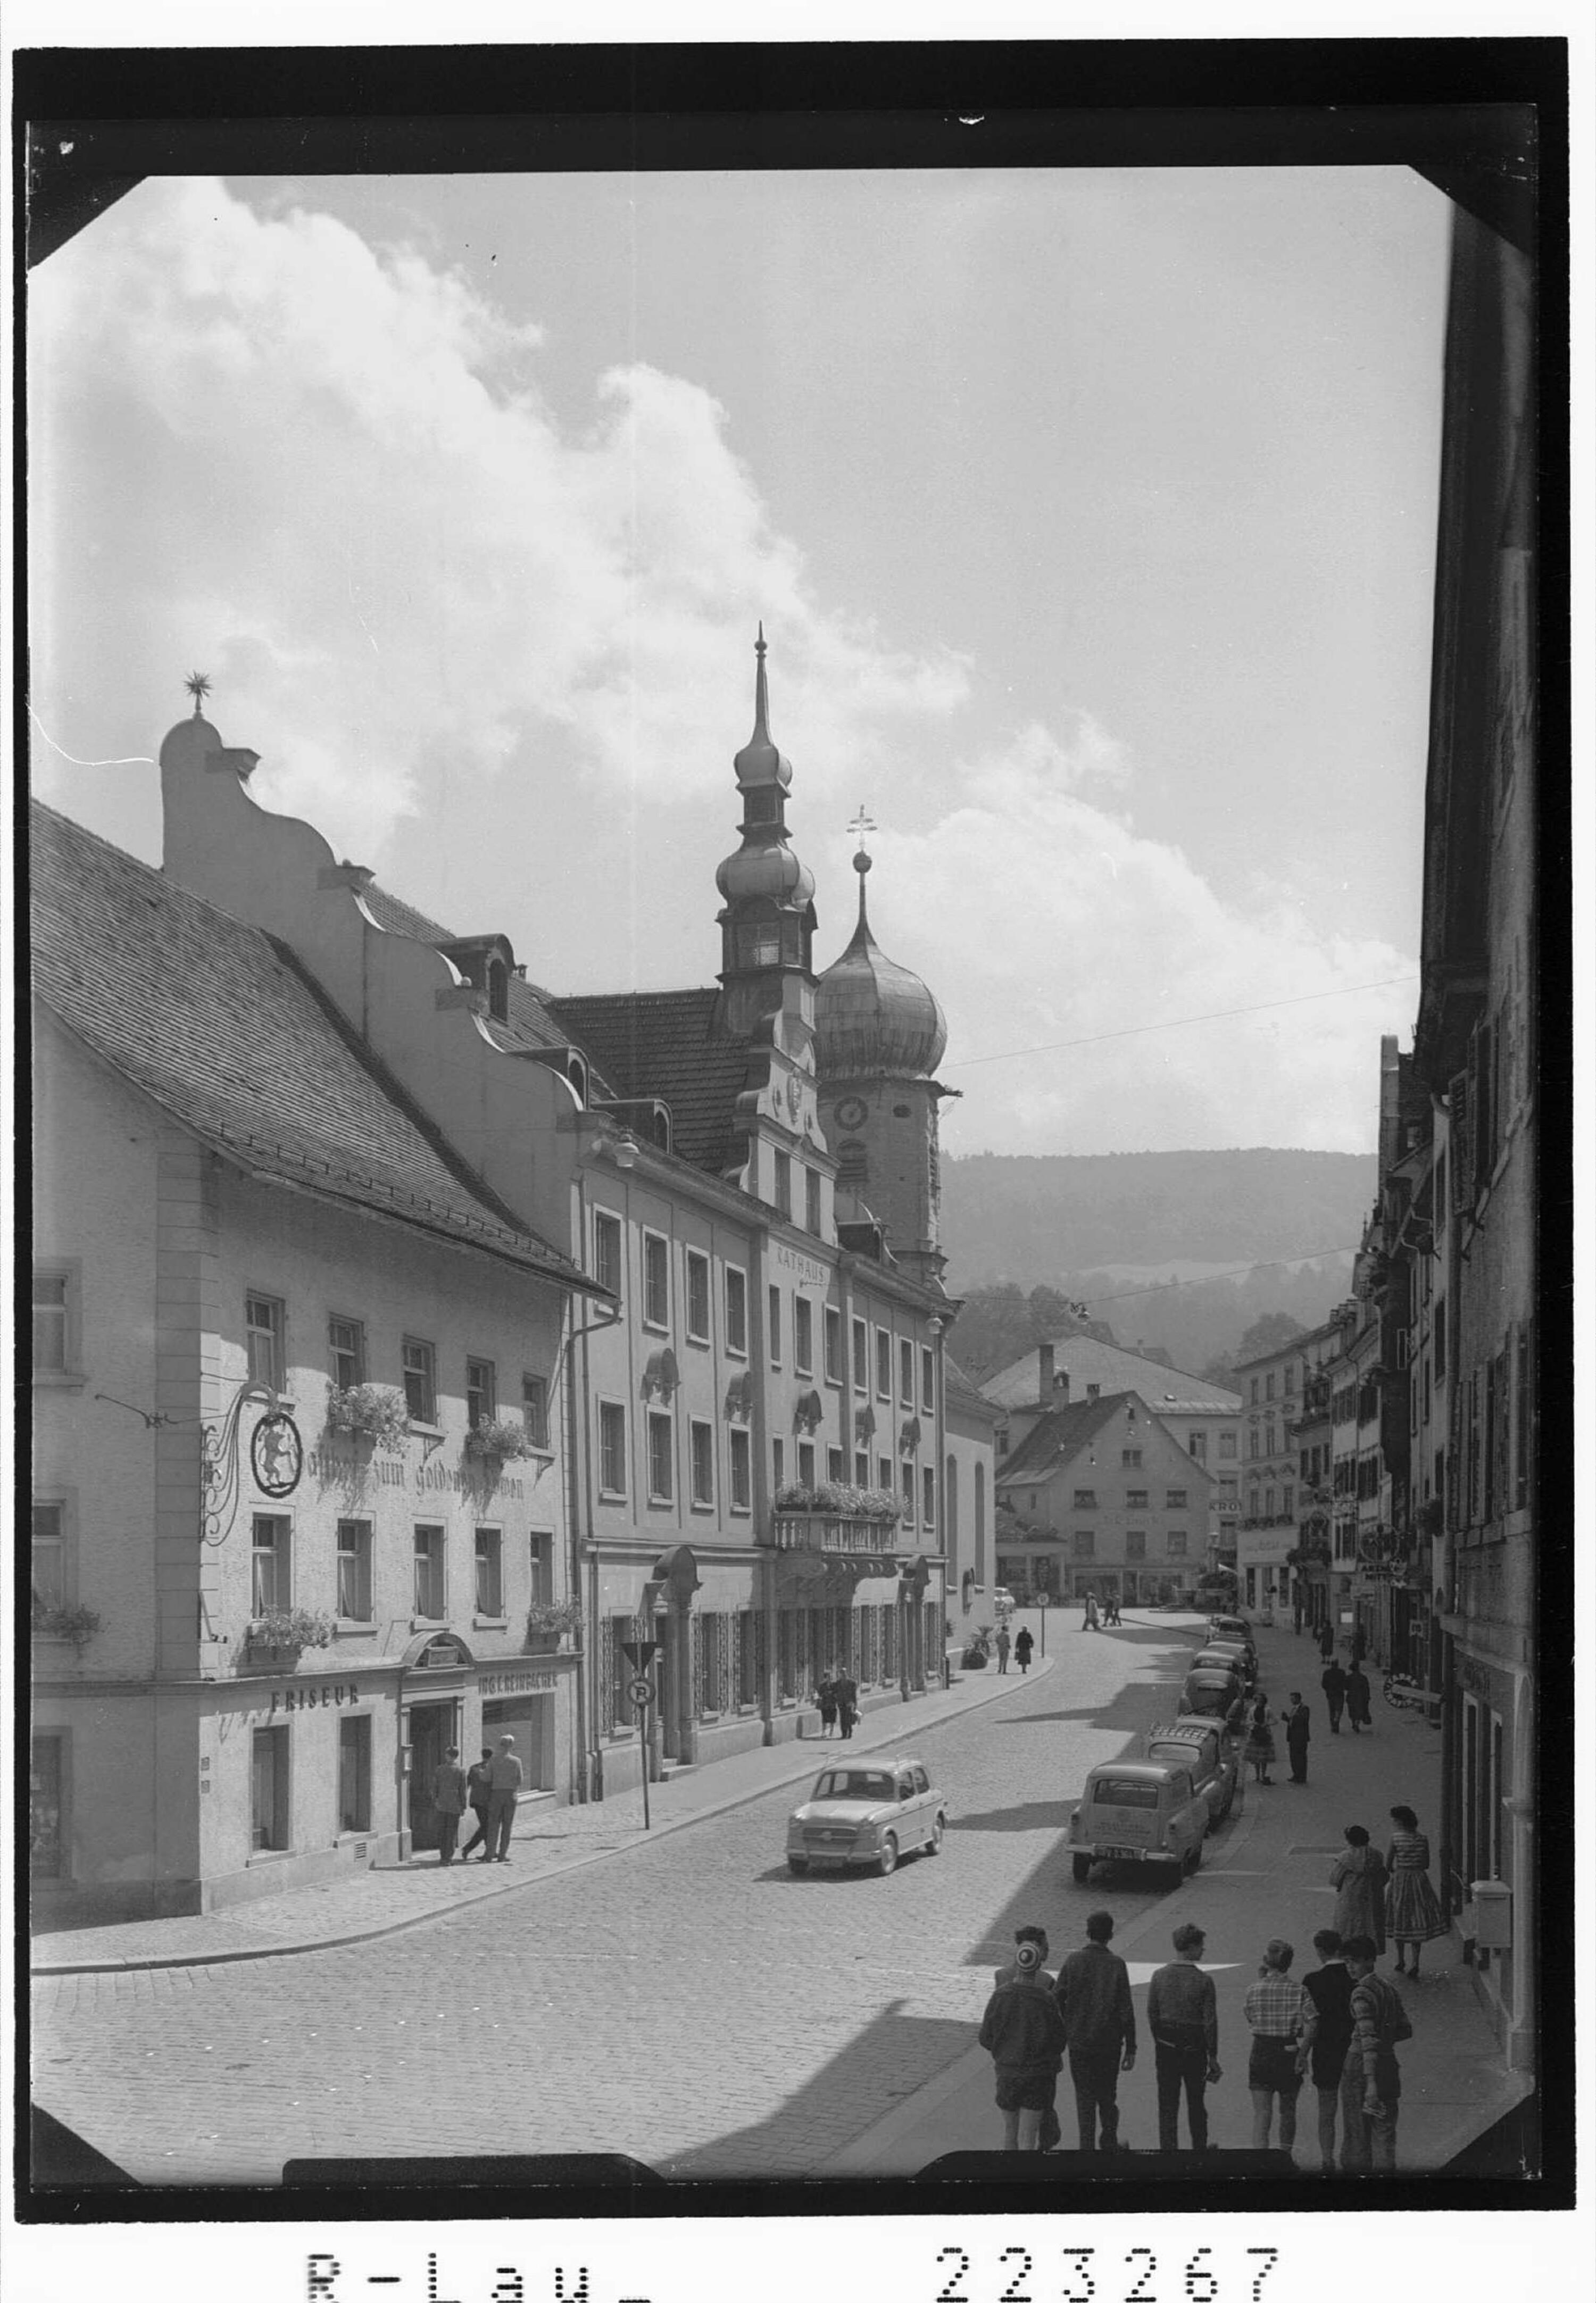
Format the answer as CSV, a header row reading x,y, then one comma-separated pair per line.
x,y
794,1122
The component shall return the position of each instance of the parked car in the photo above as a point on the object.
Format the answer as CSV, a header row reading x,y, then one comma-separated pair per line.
x,y
1219,1652
1212,1756
868,1815
1139,1812
1210,1689
1230,1627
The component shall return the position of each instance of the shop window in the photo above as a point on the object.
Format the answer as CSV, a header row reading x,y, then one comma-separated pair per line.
x,y
747,1659
741,1471
540,1548
419,1362
535,1409
268,1789
606,1250
775,1326
661,1457
481,1402
428,1568
611,1448
52,1341
812,1201
861,1356
262,1337
354,1570
346,1353
48,1837
490,1572
271,1583
620,1629
704,1463
354,1774
697,1297
803,1336
737,1311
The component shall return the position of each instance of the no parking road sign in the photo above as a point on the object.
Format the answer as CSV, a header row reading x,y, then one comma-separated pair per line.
x,y
1043,1599
641,1691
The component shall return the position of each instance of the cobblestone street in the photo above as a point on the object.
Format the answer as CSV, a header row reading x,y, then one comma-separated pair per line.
x,y
687,2001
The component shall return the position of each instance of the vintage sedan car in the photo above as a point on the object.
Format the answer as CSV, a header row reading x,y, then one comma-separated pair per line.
x,y
1211,1755
865,1814
1230,1627
1139,1812
1211,1690
1228,1652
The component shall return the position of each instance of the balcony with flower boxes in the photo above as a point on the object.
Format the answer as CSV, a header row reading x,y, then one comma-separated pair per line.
x,y
860,1522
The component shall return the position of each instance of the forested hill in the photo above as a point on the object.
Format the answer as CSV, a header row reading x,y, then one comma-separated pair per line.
x,y
1044,1218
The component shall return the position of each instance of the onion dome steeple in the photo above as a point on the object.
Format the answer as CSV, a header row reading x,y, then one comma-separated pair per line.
x,y
768,920
872,1016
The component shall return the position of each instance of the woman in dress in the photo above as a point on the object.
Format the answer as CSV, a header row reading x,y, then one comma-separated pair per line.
x,y
1359,1880
825,1696
1261,1742
1414,1916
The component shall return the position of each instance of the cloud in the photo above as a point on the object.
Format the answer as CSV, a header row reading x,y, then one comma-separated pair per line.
x,y
1039,916
324,472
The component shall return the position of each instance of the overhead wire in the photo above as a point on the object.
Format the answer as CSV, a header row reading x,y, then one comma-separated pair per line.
x,y
1172,1022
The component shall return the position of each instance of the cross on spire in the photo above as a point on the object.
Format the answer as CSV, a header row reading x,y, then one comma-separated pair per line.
x,y
862,823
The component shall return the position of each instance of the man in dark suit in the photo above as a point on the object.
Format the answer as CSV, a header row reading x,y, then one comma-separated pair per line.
x,y
1297,1737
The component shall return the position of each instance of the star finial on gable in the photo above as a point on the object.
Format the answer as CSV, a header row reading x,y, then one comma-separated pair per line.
x,y
197,684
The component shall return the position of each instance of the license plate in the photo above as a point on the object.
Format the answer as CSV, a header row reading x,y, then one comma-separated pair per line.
x,y
1121,1854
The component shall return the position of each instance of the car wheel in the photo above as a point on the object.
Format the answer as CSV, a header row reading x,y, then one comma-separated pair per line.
x,y
1193,1858
798,1863
1081,1865
887,1860
933,1845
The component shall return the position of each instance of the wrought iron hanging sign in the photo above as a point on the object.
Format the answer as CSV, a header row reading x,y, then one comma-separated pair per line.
x,y
276,1455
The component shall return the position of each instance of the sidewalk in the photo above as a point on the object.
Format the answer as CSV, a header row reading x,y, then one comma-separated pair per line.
x,y
549,1840
1265,1875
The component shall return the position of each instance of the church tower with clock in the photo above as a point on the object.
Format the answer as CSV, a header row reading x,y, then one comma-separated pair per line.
x,y
879,1037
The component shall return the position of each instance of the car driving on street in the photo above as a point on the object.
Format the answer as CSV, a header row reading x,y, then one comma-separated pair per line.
x,y
868,1816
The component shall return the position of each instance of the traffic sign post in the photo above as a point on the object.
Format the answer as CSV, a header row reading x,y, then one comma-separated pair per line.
x,y
1043,1602
637,1653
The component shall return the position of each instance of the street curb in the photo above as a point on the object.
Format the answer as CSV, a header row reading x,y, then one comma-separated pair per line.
x,y
985,1693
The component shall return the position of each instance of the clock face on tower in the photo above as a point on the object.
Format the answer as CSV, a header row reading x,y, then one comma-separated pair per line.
x,y
852,1111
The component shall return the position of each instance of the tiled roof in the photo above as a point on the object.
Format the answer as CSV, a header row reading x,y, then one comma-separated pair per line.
x,y
221,1027
1060,1433
660,1043
1166,1390
962,1391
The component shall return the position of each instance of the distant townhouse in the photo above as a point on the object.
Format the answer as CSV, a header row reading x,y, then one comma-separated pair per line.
x,y
1102,1496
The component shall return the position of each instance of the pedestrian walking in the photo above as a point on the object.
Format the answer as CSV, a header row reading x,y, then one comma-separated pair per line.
x,y
1326,2036
1357,1698
1111,1609
1297,1728
478,1794
825,1696
1089,1613
1093,1995
504,1784
848,1702
1327,1641
1183,2017
1359,1879
1023,2032
1261,1742
1273,2008
1414,1916
1333,1679
1372,2080
449,1800
1023,1644
1003,1643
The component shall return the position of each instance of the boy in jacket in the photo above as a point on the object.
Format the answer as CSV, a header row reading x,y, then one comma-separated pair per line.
x,y
1023,2033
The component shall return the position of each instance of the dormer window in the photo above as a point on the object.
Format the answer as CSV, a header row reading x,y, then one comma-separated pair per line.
x,y
498,990
575,1072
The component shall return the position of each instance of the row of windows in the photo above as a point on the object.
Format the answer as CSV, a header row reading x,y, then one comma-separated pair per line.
x,y
266,1338
784,1194
1136,1499
1288,1386
1267,1507
659,1465
272,1569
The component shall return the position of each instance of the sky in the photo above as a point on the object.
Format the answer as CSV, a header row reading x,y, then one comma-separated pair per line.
x,y
1090,516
